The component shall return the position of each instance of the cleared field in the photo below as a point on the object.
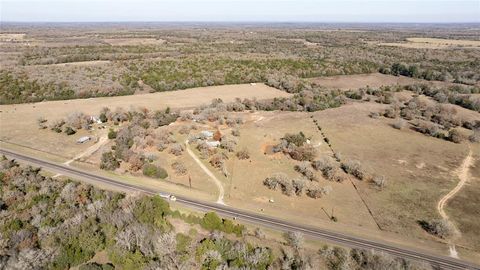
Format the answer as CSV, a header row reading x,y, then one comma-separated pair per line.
x,y
12,37
134,41
81,63
245,186
435,43
418,168
347,82
18,123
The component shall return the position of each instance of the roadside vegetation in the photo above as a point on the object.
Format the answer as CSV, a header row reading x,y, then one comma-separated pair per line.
x,y
57,224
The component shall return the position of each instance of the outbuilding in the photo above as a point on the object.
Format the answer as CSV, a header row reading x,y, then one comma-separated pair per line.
x,y
213,143
84,139
206,134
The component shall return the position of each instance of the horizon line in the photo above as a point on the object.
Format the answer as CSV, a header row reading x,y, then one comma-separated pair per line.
x,y
276,22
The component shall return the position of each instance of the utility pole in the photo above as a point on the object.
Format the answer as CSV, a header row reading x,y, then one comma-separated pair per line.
x,y
190,181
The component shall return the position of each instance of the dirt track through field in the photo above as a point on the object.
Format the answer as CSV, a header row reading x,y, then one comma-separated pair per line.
x,y
92,149
221,190
462,173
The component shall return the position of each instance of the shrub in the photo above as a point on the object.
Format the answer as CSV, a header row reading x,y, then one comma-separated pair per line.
x,y
354,168
228,143
218,160
177,149
211,221
475,137
297,139
109,161
41,121
184,129
455,136
336,258
379,181
179,168
153,171
303,153
374,115
328,169
298,186
399,124
441,228
294,239
152,210
161,146
427,128
243,154
304,169
315,192
280,180
103,117
136,162
112,134
69,131
390,113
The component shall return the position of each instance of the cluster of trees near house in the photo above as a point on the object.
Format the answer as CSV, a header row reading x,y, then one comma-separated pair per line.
x,y
58,224
297,146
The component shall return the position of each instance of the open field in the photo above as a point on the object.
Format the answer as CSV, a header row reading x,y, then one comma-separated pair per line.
x,y
19,122
82,63
134,41
245,186
418,168
373,80
463,207
435,43
346,82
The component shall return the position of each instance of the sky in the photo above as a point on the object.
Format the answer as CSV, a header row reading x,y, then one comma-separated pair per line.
x,y
442,11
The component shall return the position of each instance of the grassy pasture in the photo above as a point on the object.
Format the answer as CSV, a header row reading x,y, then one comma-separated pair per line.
x,y
419,169
435,43
18,123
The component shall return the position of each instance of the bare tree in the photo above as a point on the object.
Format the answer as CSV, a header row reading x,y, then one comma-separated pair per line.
x,y
294,239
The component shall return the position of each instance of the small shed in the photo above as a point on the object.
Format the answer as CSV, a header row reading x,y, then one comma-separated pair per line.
x,y
84,139
94,119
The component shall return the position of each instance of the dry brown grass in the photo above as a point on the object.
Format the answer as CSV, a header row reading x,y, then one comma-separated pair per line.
x,y
374,80
12,37
418,167
463,208
82,63
246,187
435,43
18,122
134,41
345,82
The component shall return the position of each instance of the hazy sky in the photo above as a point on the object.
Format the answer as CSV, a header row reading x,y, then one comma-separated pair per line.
x,y
241,10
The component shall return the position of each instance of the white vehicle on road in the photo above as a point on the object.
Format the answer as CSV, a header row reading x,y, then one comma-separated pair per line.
x,y
167,196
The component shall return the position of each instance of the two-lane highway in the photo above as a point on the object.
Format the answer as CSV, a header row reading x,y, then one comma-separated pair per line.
x,y
321,234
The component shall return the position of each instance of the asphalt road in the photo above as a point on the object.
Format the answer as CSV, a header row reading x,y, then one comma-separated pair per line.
x,y
443,262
